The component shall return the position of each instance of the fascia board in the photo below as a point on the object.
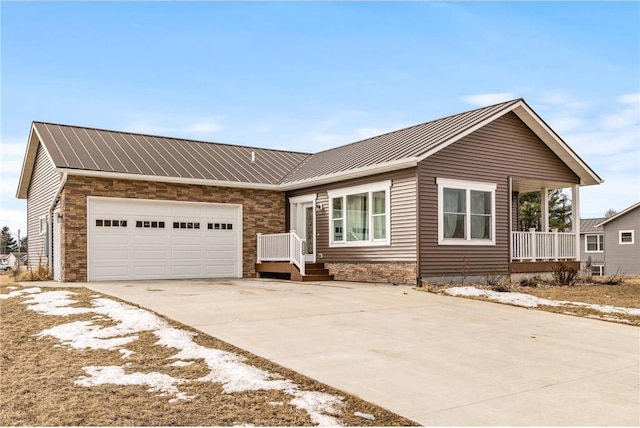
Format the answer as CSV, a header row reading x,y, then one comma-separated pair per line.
x,y
631,208
557,145
29,160
468,131
349,175
177,180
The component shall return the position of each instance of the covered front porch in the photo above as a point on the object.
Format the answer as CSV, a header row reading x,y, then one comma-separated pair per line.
x,y
541,247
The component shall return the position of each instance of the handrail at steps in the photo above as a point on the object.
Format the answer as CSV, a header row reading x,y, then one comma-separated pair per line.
x,y
282,247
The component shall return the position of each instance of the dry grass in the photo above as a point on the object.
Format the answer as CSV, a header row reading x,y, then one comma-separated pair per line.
x,y
38,377
595,291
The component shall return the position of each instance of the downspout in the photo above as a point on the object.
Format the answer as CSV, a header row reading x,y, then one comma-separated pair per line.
x,y
50,225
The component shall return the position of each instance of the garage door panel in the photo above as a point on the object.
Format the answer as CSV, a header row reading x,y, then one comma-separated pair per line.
x,y
149,255
113,272
186,255
153,251
187,239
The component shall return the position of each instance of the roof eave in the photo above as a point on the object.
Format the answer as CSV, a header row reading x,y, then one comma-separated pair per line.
x,y
351,174
587,176
620,214
28,162
165,179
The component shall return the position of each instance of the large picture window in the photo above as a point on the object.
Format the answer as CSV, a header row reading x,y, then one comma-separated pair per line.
x,y
360,215
466,212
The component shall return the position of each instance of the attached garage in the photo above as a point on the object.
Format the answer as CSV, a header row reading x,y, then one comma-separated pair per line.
x,y
130,239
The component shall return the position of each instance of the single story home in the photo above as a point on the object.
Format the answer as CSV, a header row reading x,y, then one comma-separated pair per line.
x,y
621,243
435,201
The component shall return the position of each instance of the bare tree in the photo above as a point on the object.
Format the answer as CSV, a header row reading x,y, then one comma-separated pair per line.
x,y
610,213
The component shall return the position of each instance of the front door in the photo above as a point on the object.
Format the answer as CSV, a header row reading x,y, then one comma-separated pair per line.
x,y
303,222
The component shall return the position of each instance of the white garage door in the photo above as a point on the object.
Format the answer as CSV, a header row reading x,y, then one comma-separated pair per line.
x,y
145,239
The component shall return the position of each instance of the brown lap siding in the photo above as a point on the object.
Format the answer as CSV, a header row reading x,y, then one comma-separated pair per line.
x,y
262,211
505,147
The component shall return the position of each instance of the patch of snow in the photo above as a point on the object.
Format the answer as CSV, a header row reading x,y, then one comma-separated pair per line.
x,y
84,334
11,287
115,375
276,403
529,301
126,353
226,368
182,363
364,416
17,293
319,406
54,303
182,396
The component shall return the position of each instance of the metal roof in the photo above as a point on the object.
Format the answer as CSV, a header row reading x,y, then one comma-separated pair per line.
x,y
590,225
90,149
408,143
99,152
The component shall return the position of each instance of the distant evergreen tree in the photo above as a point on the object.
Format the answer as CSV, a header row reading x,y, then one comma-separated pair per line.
x,y
24,245
530,211
7,243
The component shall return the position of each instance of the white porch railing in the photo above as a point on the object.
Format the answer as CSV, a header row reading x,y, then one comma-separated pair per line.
x,y
534,245
282,247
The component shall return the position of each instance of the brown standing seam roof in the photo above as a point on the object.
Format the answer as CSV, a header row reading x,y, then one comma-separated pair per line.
x,y
80,148
73,147
407,143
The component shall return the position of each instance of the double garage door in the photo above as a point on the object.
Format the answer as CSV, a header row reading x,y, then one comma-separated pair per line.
x,y
148,239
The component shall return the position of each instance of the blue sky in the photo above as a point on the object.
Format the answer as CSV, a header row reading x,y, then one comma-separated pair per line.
x,y
310,76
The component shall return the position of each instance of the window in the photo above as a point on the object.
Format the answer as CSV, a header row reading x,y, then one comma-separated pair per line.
x,y
148,224
43,225
186,225
626,237
597,270
220,226
466,212
594,243
111,223
359,216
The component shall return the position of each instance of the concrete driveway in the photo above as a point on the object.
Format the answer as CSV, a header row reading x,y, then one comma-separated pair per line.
x,y
435,359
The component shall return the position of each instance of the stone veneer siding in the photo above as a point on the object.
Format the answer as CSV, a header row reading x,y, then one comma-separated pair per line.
x,y
401,273
262,211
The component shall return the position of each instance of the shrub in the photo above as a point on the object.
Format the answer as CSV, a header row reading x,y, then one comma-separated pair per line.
x,y
564,274
493,278
41,273
530,281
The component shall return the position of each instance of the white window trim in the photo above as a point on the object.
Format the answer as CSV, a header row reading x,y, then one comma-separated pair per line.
x,y
465,185
633,240
42,231
586,250
600,268
381,186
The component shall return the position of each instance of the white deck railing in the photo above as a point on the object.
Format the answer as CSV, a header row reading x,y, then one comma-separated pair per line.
x,y
282,247
535,246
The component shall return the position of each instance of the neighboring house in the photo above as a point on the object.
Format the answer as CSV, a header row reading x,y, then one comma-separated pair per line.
x,y
9,259
592,245
435,201
621,242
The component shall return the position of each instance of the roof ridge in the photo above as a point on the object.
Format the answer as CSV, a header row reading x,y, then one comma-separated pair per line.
x,y
168,137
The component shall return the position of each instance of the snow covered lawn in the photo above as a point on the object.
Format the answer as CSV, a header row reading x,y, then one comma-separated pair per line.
x,y
72,357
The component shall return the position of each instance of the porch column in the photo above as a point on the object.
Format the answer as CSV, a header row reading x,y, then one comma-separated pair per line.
x,y
575,217
544,223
